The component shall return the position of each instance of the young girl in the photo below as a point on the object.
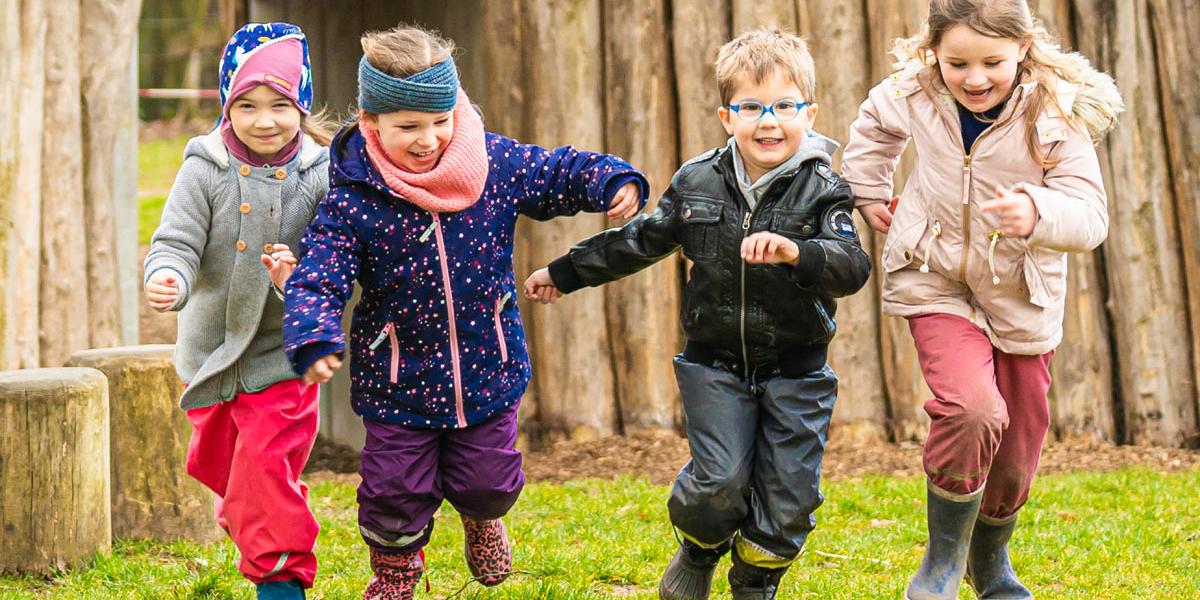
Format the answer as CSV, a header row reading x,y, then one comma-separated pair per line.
x,y
245,193
421,212
1007,182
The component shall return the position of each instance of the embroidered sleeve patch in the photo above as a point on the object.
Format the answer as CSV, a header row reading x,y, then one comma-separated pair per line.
x,y
841,224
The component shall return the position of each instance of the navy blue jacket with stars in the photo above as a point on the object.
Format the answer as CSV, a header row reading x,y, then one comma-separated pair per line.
x,y
436,339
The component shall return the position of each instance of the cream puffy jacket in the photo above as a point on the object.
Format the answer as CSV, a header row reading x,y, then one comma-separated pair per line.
x,y
942,254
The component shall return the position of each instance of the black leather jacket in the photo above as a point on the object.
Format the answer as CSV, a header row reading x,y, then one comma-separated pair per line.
x,y
757,320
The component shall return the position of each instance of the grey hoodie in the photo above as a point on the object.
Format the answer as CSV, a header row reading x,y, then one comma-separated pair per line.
x,y
218,218
814,145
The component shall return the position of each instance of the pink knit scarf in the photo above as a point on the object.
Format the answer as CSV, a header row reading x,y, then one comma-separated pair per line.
x,y
456,181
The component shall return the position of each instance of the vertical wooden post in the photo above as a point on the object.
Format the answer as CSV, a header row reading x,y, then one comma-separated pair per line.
x,y
643,310
1146,281
570,345
54,468
748,14
1175,25
10,79
24,275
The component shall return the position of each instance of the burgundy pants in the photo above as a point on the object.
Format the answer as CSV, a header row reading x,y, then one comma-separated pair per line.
x,y
989,412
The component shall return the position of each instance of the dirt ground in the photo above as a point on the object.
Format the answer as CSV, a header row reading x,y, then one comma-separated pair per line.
x,y
659,457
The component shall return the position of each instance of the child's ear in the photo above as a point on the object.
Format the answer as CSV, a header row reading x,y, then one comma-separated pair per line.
x,y
726,117
812,112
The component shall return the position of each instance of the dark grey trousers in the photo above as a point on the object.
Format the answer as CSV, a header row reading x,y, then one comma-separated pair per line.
x,y
756,459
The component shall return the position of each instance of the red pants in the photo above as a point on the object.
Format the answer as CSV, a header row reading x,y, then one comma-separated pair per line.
x,y
989,412
250,452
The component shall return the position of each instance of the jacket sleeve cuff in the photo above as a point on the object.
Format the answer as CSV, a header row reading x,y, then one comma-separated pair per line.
x,y
181,298
808,270
304,358
617,181
564,275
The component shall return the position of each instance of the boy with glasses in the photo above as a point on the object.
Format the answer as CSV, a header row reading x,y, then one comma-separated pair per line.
x,y
768,227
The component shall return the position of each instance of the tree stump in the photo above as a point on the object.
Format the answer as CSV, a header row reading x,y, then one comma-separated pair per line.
x,y
152,494
54,462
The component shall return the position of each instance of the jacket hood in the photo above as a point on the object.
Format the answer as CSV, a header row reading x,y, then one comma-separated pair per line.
x,y
212,148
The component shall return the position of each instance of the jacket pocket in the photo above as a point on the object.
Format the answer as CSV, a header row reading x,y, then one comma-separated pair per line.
x,y
702,223
389,333
793,224
500,326
1045,273
900,247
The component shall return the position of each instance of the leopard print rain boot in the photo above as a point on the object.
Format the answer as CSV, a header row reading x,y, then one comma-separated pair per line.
x,y
486,548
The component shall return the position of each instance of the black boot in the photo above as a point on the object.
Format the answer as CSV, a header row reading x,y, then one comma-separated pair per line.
x,y
748,582
988,569
690,572
951,517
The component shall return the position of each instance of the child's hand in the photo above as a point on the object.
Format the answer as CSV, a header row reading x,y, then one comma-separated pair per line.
x,y
540,288
322,370
766,248
625,203
162,290
879,216
280,264
1016,211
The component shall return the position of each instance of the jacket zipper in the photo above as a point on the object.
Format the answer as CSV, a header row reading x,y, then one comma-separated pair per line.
x,y
454,360
500,329
389,332
742,309
966,193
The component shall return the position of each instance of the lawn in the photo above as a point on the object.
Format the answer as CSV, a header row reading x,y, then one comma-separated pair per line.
x,y
158,161
1129,534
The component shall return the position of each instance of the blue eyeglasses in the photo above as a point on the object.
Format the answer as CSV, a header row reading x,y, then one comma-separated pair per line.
x,y
784,109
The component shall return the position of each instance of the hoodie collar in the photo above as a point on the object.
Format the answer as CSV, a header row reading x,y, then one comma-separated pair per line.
x,y
814,147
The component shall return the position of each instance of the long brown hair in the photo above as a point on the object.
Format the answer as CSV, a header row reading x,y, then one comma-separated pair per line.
x,y
1097,102
319,126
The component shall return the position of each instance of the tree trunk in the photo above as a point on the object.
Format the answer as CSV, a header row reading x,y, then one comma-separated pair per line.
x,y
1145,276
905,385
54,465
1175,25
837,34
152,494
569,343
111,25
64,297
504,59
643,310
24,275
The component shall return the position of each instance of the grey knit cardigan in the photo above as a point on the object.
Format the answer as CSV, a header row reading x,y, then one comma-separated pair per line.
x,y
217,220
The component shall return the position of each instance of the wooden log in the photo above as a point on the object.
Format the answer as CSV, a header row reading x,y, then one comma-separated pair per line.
x,y
905,385
1144,268
112,25
64,307
749,14
569,342
152,494
1081,399
24,275
643,310
10,79
837,36
699,29
54,469
1175,26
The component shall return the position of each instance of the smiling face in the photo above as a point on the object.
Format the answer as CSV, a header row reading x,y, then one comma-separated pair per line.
x,y
414,140
264,120
979,70
768,142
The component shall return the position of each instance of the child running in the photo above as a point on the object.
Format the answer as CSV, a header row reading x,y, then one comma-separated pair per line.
x,y
421,213
245,194
1007,182
768,226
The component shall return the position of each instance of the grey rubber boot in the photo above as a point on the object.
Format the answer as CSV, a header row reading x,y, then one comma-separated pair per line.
x,y
748,582
689,574
951,518
989,571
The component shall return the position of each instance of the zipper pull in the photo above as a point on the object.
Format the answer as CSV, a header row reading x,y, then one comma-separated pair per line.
x,y
504,300
428,232
746,222
382,336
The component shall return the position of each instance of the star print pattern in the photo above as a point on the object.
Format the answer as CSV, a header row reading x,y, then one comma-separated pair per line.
x,y
402,367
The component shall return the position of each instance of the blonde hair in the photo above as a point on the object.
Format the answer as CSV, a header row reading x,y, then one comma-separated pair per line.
x,y
1097,102
319,126
759,53
405,49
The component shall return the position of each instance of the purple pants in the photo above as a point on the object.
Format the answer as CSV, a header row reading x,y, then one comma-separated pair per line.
x,y
989,414
406,473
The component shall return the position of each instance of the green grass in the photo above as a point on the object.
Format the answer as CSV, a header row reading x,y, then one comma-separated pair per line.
x,y
158,161
1129,534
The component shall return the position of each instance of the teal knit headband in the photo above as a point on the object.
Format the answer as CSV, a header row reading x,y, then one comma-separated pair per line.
x,y
433,90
